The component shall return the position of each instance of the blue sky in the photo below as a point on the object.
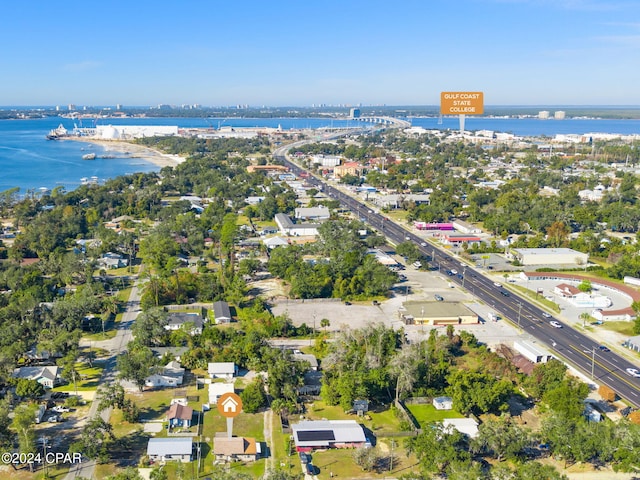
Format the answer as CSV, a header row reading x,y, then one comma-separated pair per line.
x,y
303,52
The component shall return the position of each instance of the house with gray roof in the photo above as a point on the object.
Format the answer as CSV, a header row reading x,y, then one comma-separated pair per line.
x,y
314,434
221,312
178,319
167,449
47,376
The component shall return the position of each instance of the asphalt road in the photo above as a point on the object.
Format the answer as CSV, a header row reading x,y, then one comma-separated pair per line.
x,y
606,368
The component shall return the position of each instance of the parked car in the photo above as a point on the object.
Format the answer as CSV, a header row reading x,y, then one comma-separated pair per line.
x,y
305,458
555,324
438,297
60,409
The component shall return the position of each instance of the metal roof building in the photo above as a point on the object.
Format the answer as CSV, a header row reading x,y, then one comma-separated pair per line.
x,y
311,434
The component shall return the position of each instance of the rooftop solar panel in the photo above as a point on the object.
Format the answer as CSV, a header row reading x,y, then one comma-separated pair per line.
x,y
315,435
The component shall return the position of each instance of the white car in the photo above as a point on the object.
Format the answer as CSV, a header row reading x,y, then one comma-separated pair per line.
x,y
423,244
546,315
555,324
60,409
497,284
633,372
454,271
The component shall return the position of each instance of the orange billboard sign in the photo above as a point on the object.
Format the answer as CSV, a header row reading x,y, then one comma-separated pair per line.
x,y
461,103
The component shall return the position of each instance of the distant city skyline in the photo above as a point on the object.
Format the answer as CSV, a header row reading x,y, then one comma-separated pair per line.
x,y
286,53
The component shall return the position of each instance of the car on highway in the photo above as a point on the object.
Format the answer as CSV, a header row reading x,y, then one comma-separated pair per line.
x,y
555,324
423,244
634,372
602,348
505,293
454,271
497,284
546,315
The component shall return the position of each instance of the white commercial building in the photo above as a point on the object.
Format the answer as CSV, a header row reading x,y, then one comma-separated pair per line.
x,y
549,256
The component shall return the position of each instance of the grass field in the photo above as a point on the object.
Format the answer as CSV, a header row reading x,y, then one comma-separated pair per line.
x,y
380,422
87,378
426,414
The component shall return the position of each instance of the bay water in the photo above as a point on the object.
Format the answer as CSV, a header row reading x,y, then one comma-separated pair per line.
x,y
30,162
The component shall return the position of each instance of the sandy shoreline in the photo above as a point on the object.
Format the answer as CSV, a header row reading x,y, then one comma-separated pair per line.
x,y
134,151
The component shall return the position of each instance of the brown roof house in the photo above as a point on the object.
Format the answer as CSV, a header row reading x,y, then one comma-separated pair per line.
x,y
179,415
232,449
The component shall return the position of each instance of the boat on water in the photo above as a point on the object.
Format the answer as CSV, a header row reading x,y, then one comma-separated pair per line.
x,y
57,133
89,156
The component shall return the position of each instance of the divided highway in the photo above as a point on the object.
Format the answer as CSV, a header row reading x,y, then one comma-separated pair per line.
x,y
605,367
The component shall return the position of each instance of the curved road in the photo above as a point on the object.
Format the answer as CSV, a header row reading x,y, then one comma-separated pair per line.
x,y
605,368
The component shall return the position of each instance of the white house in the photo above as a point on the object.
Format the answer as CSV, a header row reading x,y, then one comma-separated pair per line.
x,y
177,320
221,312
443,403
468,426
166,449
226,370
171,375
216,390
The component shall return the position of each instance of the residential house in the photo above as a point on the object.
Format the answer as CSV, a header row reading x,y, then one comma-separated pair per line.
x,y
178,319
112,261
233,449
167,449
221,312
217,389
171,375
179,415
467,426
226,370
47,376
315,434
274,242
443,403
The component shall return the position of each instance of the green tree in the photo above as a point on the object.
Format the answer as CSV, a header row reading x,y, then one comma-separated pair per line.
x,y
148,329
23,420
253,396
28,388
501,438
136,364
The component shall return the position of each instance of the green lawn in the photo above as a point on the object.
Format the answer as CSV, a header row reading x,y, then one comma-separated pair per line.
x,y
380,422
427,413
87,379
625,328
